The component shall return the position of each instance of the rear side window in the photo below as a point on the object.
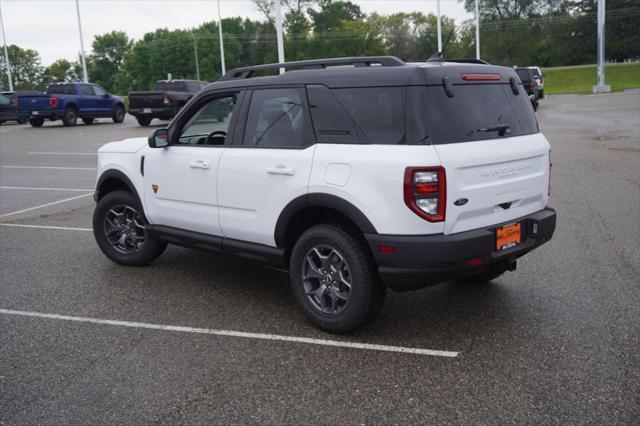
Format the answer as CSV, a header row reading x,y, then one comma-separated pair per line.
x,y
330,120
276,119
478,112
86,90
378,111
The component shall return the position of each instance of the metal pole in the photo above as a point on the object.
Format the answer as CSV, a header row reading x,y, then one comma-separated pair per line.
x,y
221,42
84,61
279,34
600,86
439,28
477,32
6,52
195,52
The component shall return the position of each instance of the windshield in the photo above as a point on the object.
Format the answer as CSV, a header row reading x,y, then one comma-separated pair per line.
x,y
478,112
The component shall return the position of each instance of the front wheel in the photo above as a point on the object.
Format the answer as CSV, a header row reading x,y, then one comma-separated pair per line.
x,y
36,121
118,114
119,229
334,279
144,121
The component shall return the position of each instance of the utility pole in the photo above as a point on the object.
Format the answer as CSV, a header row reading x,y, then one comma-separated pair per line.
x,y
195,53
279,34
600,86
6,52
221,42
439,28
84,61
477,31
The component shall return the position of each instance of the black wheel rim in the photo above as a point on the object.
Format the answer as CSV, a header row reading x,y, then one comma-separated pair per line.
x,y
124,229
326,278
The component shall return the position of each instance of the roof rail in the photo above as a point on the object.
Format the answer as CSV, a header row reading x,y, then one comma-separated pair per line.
x,y
363,61
468,61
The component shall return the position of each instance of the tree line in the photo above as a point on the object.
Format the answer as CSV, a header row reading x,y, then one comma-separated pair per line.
x,y
512,32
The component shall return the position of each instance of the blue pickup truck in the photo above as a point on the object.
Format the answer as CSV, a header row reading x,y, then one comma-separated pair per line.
x,y
68,102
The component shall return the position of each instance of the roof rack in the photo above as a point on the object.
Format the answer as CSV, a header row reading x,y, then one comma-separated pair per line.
x,y
364,61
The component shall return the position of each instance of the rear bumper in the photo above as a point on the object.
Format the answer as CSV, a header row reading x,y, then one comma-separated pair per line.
x,y
424,260
166,112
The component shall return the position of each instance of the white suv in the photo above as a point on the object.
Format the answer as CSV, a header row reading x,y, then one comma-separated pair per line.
x,y
355,174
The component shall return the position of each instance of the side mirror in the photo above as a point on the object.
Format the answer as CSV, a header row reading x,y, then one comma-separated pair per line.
x,y
159,138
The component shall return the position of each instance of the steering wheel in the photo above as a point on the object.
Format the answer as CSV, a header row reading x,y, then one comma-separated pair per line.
x,y
216,133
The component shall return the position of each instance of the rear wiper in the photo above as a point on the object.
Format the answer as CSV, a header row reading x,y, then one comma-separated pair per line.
x,y
502,129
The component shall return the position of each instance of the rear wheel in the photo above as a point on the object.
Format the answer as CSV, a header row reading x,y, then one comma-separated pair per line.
x,y
118,114
119,229
36,121
70,117
88,120
144,121
334,279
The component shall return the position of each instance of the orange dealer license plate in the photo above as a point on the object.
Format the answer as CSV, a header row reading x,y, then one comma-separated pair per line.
x,y
508,236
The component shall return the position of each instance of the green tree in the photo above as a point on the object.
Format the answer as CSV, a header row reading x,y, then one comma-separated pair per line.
x,y
109,51
26,70
61,70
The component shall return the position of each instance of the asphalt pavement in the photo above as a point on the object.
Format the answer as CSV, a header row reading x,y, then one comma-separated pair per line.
x,y
200,339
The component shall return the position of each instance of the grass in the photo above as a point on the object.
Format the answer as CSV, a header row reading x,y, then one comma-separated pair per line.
x,y
581,79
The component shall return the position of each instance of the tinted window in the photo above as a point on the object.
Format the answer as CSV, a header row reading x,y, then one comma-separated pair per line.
x,y
331,121
86,90
4,100
61,89
210,124
378,111
176,86
99,91
276,119
474,109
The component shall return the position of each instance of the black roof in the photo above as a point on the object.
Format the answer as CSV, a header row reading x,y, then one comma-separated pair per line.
x,y
393,74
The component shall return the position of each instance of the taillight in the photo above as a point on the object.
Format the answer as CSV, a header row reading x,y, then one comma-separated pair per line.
x,y
53,102
481,76
165,99
425,192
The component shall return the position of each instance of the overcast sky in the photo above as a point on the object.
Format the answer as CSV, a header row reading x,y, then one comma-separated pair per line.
x,y
50,26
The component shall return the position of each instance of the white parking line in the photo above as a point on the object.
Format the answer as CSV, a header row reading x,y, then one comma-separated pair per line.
x,y
62,153
46,205
63,228
45,189
228,333
48,167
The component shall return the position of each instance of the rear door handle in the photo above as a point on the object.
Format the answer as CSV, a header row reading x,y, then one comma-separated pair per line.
x,y
199,164
281,170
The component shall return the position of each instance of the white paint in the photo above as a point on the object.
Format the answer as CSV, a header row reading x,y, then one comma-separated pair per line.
x,y
48,167
29,188
241,334
61,153
46,205
62,228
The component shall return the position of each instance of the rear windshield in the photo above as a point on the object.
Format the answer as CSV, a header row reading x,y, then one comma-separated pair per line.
x,y
61,89
175,86
478,112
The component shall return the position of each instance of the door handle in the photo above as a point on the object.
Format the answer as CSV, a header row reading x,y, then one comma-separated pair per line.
x,y
199,164
281,170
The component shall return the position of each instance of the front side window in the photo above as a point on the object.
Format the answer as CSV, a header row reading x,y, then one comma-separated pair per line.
x,y
99,91
4,100
209,126
276,119
378,111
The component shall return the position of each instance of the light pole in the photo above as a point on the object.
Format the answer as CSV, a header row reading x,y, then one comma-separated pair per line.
x,y
477,32
279,34
221,42
82,58
600,86
6,52
195,53
439,27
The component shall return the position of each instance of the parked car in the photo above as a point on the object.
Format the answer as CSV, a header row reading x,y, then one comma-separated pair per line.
x,y
354,179
537,72
70,101
9,105
527,76
164,101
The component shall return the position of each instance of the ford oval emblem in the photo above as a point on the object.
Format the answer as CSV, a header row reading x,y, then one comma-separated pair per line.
x,y
461,202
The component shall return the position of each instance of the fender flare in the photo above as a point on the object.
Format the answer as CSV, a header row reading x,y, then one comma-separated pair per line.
x,y
115,174
321,200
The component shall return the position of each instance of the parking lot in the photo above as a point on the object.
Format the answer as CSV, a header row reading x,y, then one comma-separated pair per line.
x,y
197,339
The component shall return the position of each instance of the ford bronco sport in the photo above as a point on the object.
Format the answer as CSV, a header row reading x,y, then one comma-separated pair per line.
x,y
354,174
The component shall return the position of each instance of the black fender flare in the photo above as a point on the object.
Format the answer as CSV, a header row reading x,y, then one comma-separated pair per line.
x,y
115,174
320,200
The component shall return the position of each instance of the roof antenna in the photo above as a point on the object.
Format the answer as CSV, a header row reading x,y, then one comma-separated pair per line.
x,y
439,56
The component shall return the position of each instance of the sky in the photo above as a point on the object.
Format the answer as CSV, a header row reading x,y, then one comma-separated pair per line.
x,y
51,28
